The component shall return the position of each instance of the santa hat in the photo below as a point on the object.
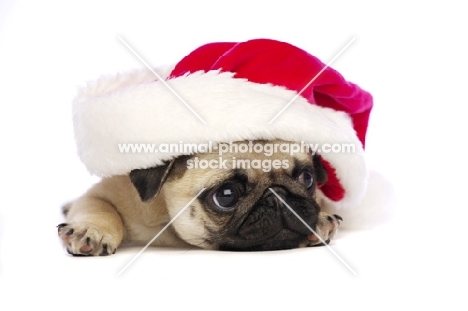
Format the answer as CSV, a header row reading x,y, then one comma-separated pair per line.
x,y
237,89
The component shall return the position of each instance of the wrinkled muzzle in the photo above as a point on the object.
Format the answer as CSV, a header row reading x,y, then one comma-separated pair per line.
x,y
271,225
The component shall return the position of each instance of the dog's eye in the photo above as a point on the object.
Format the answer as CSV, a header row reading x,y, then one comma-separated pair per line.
x,y
306,179
226,196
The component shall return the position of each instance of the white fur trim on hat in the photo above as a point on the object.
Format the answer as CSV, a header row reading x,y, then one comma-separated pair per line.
x,y
135,108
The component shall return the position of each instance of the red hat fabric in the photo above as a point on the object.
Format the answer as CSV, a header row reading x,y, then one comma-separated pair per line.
x,y
282,64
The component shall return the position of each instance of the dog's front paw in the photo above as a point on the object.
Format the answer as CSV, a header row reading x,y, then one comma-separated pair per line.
x,y
327,228
84,240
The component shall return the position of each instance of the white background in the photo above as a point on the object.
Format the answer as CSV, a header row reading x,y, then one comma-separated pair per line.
x,y
412,56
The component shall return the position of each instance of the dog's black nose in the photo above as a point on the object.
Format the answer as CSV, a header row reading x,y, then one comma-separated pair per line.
x,y
271,199
293,211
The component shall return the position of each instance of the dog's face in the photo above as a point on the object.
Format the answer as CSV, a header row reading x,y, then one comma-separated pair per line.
x,y
239,208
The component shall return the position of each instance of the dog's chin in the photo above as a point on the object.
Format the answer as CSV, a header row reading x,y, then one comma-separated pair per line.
x,y
284,239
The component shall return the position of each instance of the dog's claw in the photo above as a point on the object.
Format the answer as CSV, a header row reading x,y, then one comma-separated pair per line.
x,y
104,251
338,217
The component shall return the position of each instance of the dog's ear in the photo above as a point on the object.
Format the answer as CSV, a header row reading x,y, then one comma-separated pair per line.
x,y
148,182
320,171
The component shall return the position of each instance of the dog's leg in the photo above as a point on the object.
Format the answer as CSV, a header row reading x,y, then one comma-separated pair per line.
x,y
93,227
327,228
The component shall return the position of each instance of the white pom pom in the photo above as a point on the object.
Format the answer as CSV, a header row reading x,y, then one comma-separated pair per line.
x,y
376,208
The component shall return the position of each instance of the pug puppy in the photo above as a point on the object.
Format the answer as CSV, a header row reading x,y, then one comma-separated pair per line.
x,y
241,208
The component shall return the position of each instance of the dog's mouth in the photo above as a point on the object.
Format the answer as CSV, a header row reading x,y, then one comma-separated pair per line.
x,y
284,239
